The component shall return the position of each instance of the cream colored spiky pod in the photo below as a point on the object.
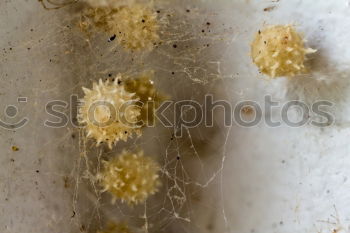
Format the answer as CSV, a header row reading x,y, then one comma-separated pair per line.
x,y
130,177
136,27
108,112
279,51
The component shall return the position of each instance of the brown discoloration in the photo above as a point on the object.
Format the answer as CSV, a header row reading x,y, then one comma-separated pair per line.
x,y
66,181
247,110
270,8
15,148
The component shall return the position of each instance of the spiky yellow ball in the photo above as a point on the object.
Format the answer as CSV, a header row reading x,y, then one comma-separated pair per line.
x,y
135,27
279,51
109,113
130,177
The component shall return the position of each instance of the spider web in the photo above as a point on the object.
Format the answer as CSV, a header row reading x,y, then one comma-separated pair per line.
x,y
46,57
189,35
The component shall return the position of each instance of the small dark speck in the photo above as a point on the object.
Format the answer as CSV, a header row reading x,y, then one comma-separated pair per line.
x,y
112,38
208,23
126,132
28,48
37,171
178,157
158,11
143,21
12,160
203,31
109,75
259,32
174,46
265,42
281,222
73,135
119,82
172,73
188,11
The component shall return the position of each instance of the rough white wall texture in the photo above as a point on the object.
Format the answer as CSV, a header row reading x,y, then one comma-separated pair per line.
x,y
218,179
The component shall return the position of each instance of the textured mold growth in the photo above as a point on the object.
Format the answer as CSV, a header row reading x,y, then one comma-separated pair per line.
x,y
279,51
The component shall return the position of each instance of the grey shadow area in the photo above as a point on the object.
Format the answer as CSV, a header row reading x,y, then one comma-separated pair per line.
x,y
326,81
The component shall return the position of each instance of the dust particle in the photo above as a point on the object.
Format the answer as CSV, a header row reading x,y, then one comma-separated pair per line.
x,y
247,110
270,8
66,182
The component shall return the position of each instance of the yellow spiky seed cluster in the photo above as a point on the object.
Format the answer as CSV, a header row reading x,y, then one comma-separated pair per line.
x,y
135,27
130,177
279,51
108,112
149,96
116,228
